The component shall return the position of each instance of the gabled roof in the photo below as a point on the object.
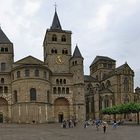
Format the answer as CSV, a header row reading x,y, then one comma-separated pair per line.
x,y
88,78
29,60
3,38
56,23
122,67
97,58
77,53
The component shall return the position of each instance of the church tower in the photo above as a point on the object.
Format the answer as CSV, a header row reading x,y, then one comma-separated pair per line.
x,y
6,61
57,47
6,53
76,68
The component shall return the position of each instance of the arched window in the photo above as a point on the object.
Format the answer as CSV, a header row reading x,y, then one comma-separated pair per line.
x,y
2,49
5,89
59,90
63,51
67,90
32,94
2,80
3,66
36,73
18,74
64,81
73,63
54,37
27,73
63,90
60,81
1,89
63,38
15,96
55,51
52,51
66,51
54,90
57,81
6,49
126,84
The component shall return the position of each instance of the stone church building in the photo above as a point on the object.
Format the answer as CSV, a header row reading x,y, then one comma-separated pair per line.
x,y
107,85
56,88
38,91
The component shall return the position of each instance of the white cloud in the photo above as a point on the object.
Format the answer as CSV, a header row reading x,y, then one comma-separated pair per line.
x,y
100,27
100,21
31,7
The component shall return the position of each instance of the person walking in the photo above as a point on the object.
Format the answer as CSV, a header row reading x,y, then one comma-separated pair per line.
x,y
104,125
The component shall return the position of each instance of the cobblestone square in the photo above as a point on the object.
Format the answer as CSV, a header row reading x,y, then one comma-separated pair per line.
x,y
56,132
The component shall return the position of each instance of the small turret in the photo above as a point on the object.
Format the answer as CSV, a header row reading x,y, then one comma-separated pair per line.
x,y
76,66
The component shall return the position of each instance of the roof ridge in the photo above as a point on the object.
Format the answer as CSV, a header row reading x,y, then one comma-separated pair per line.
x,y
3,38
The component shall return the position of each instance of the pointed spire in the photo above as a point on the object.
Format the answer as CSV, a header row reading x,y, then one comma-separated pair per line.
x,y
3,38
77,52
56,23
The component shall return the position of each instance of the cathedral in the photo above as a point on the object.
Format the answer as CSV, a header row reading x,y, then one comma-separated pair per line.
x,y
56,89
35,91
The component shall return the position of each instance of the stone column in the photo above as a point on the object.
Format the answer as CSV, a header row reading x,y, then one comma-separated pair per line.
x,y
39,111
27,115
46,113
19,113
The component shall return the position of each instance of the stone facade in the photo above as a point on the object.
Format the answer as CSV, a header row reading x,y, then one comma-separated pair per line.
x,y
107,85
56,89
35,91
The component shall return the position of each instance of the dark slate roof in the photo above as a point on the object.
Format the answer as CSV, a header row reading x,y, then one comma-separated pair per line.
x,y
3,38
137,88
56,23
77,53
97,58
88,78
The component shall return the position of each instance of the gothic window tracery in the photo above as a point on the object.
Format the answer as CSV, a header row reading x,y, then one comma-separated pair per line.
x,y
126,84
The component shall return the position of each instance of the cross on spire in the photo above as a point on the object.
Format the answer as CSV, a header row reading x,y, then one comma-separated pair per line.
x,y
55,5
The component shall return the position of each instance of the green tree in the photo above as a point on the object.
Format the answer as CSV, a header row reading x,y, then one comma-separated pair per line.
x,y
123,109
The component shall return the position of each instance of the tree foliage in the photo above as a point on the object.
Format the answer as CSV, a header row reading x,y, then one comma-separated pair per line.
x,y
122,109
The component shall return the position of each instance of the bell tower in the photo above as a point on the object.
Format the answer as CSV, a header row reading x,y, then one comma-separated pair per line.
x,y
57,47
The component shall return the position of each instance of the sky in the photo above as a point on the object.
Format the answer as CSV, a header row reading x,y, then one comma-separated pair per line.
x,y
99,27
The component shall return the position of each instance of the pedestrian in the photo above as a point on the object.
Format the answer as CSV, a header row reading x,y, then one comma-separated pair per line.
x,y
114,124
85,124
104,124
97,123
